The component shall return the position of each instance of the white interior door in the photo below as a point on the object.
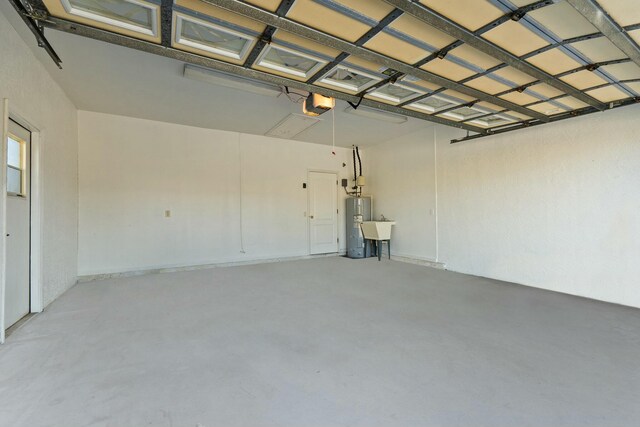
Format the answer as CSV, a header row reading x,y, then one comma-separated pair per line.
x,y
17,292
323,212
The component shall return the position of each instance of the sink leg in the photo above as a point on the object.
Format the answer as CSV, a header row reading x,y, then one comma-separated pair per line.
x,y
379,248
389,248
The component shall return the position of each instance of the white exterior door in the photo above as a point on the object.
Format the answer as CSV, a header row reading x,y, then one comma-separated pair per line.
x,y
17,293
323,212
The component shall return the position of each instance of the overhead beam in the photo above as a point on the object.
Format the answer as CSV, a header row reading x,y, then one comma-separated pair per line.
x,y
265,38
166,22
588,67
191,58
442,53
283,23
594,13
575,40
542,50
490,26
454,30
384,22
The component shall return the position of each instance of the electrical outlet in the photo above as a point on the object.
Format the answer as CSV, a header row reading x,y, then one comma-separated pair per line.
x,y
167,214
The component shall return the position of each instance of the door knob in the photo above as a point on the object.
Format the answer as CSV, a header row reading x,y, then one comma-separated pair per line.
x,y
309,217
8,235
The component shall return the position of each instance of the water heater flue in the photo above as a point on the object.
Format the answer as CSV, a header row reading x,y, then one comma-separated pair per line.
x,y
358,179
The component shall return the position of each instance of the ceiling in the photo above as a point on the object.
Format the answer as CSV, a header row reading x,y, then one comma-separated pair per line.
x,y
483,65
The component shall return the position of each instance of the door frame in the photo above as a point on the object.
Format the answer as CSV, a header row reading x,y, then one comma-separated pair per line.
x,y
36,300
337,174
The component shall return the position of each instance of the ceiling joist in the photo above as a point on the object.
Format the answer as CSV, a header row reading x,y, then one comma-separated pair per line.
x,y
384,22
283,23
454,30
443,92
225,67
268,32
592,11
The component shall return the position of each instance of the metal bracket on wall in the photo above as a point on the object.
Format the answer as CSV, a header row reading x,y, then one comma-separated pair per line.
x,y
34,18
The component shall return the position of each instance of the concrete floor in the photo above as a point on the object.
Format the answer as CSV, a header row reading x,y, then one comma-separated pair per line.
x,y
323,342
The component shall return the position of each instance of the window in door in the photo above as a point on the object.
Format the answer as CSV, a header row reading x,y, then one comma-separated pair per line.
x,y
16,166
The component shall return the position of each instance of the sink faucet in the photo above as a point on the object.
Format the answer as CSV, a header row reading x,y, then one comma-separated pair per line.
x,y
382,217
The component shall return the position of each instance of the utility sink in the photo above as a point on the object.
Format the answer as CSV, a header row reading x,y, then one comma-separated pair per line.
x,y
377,230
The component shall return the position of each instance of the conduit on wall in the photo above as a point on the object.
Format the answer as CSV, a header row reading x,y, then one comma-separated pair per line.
x,y
242,251
435,173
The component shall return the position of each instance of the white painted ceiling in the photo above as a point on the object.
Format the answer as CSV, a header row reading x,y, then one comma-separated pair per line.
x,y
112,79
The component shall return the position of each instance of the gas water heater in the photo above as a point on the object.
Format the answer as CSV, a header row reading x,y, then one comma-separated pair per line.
x,y
358,210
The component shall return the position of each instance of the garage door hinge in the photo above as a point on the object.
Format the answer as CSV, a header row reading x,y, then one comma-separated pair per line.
x,y
37,14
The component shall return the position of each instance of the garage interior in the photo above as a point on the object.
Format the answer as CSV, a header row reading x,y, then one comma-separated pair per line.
x,y
320,212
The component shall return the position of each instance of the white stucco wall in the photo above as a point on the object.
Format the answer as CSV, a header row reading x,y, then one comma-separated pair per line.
x,y
133,170
401,178
554,206
34,96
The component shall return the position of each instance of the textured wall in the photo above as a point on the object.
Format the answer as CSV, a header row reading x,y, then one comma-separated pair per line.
x,y
401,179
132,170
37,98
554,206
